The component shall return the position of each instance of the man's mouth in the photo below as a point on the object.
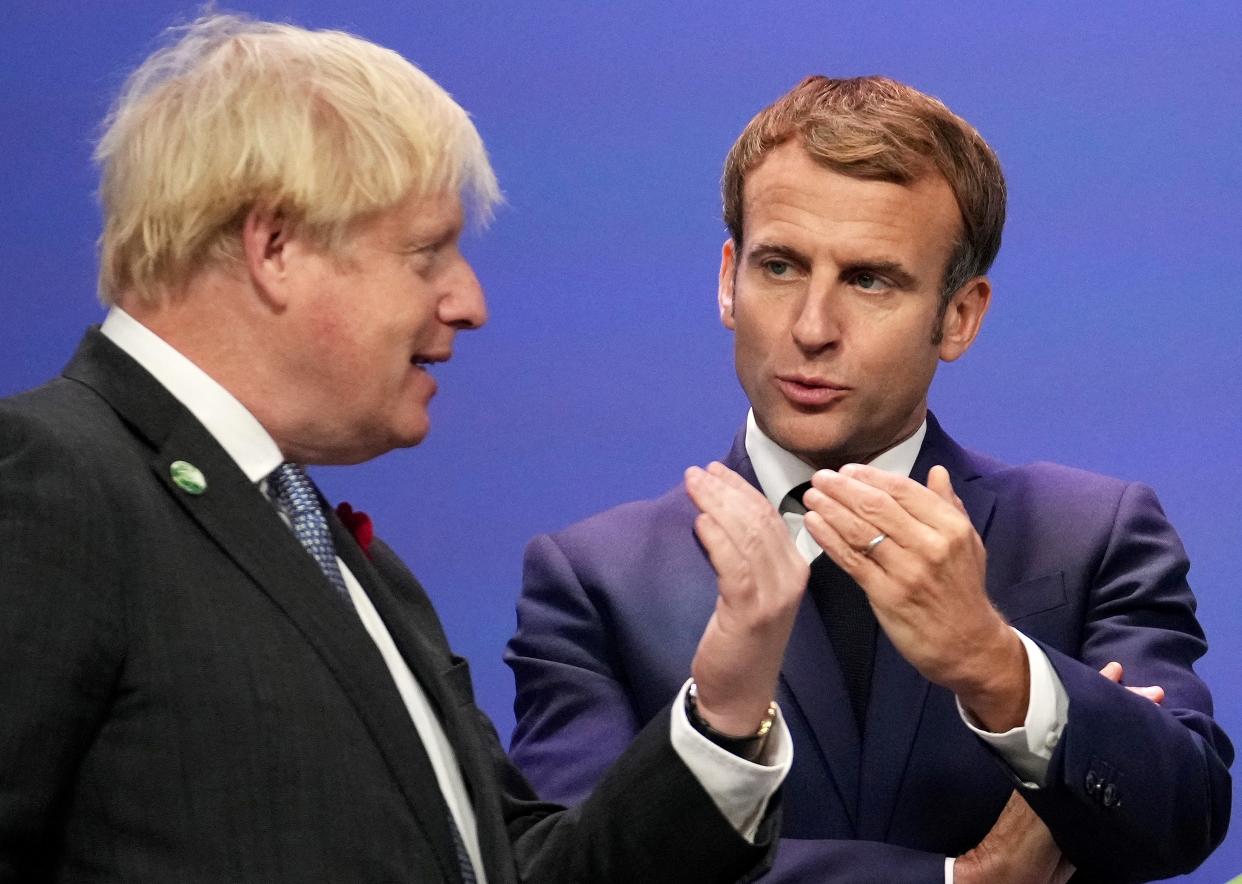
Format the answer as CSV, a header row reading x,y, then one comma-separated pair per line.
x,y
424,361
809,390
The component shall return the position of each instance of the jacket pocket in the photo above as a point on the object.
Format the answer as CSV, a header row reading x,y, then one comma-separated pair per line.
x,y
1032,596
457,677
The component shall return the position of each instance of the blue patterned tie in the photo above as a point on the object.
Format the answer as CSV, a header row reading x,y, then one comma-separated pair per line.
x,y
297,495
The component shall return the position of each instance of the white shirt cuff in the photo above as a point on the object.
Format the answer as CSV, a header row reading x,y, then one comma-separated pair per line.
x,y
741,789
948,869
1028,749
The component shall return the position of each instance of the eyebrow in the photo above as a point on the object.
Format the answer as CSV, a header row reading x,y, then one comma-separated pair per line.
x,y
778,250
432,238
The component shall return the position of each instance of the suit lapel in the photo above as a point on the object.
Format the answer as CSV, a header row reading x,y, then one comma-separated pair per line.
x,y
397,601
899,693
812,679
248,530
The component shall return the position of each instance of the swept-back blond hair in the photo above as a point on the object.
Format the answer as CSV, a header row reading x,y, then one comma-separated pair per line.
x,y
321,125
878,129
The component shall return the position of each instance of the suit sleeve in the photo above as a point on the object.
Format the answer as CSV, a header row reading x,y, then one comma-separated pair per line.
x,y
575,717
647,819
574,714
1135,791
59,634
589,749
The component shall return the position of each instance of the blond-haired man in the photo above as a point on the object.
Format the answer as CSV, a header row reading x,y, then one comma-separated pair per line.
x,y
959,610
203,675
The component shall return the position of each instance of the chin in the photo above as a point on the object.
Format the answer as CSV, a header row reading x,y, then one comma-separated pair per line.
x,y
807,437
409,436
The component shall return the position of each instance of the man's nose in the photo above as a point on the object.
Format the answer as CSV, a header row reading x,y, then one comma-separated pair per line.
x,y
817,325
463,305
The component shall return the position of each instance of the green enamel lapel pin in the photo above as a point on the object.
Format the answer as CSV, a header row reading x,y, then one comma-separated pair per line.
x,y
187,477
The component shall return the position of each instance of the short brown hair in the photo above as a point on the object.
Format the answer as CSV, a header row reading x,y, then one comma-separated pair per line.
x,y
878,129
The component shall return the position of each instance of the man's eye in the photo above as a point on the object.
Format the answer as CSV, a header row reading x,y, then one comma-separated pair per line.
x,y
869,282
777,267
423,257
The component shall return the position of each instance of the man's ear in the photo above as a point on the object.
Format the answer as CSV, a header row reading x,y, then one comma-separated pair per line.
x,y
265,237
724,292
964,317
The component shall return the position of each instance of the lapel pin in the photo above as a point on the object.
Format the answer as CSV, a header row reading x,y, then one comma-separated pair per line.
x,y
187,477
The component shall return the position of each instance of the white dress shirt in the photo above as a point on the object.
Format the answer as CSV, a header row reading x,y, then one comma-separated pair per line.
x,y
741,789
1026,749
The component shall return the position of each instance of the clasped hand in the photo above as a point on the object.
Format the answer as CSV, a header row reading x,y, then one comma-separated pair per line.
x,y
925,582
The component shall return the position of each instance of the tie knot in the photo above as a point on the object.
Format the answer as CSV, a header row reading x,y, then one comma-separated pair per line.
x,y
795,494
293,488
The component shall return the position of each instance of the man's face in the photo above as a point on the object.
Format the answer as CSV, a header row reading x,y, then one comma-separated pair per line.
x,y
834,301
365,325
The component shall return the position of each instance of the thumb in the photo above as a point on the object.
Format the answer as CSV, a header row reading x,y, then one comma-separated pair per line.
x,y
938,481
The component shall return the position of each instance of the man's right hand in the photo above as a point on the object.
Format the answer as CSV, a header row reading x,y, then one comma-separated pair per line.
x,y
1019,848
761,579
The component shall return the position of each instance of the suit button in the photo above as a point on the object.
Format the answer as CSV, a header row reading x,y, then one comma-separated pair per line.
x,y
1093,783
1111,798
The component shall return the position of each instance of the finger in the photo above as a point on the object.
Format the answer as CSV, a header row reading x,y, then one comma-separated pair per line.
x,y
1113,671
752,525
872,506
921,502
1155,693
857,533
748,517
708,492
859,566
726,561
938,481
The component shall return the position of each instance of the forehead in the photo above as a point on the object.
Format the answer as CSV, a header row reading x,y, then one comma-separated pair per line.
x,y
791,199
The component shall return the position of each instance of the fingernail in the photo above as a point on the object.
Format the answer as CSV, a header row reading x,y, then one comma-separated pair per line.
x,y
851,468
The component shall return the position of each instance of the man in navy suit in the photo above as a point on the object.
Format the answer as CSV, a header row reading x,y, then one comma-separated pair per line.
x,y
203,676
952,680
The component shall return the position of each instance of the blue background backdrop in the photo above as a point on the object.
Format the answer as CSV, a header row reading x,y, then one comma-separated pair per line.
x,y
1113,341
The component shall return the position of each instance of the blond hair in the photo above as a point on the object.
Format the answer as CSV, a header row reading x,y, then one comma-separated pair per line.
x,y
878,129
321,125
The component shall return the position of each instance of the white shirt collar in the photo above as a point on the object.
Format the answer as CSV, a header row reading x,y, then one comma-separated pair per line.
x,y
237,430
779,471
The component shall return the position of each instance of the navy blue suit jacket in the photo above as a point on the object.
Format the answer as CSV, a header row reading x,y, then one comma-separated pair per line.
x,y
612,609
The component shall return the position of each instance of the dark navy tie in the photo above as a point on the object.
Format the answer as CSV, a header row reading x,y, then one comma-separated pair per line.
x,y
849,620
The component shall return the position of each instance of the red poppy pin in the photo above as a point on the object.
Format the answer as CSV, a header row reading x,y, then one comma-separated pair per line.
x,y
359,525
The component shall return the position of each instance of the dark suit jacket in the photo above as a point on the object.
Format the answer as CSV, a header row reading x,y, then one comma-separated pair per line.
x,y
184,699
612,608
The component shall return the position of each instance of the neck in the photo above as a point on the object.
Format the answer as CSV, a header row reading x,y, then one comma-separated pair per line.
x,y
213,323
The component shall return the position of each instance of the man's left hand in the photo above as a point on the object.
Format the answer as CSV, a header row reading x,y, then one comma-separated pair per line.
x,y
925,582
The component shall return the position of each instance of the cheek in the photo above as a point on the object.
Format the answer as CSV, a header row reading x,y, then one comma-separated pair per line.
x,y
756,332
